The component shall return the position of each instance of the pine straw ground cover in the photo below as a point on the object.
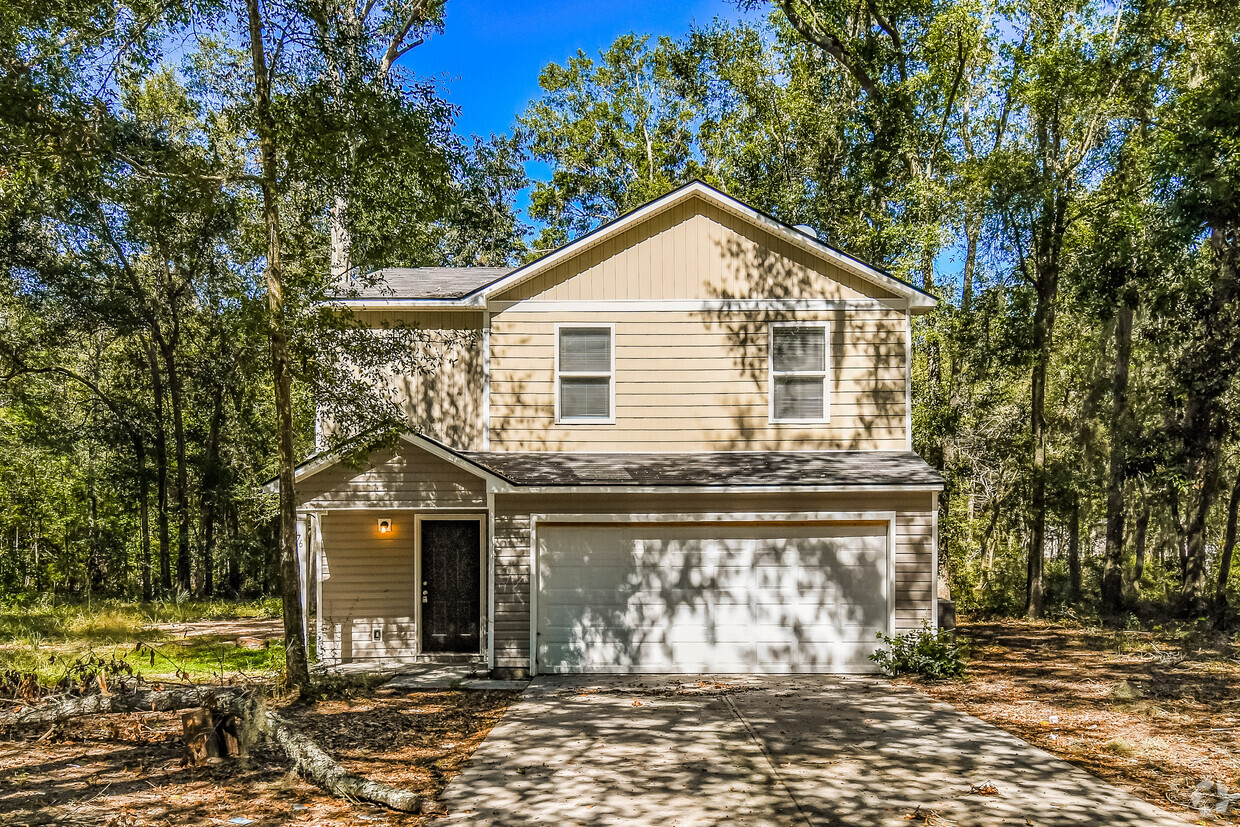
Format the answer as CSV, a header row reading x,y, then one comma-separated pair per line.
x,y
1055,687
125,770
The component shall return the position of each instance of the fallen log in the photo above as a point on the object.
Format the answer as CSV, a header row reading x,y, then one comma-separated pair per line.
x,y
320,768
163,700
254,722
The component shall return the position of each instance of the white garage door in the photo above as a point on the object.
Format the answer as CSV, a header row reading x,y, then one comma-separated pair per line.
x,y
710,597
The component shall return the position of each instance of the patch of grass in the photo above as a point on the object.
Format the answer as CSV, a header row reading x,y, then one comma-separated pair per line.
x,y
201,659
1118,746
111,620
43,636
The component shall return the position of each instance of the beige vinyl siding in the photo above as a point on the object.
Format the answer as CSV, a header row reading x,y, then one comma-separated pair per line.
x,y
444,398
368,583
368,577
694,250
698,380
913,545
399,477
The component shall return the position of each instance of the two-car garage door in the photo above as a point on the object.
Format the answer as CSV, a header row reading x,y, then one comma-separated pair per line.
x,y
710,597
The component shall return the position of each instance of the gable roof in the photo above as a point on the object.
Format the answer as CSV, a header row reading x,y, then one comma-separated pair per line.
x,y
635,472
919,301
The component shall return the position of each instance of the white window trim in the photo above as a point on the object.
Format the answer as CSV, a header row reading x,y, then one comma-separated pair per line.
x,y
771,373
610,375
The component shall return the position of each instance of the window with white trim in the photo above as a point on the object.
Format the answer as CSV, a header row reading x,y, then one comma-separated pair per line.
x,y
585,374
798,372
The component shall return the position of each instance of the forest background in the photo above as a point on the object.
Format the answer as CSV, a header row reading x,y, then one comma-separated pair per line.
x,y
183,184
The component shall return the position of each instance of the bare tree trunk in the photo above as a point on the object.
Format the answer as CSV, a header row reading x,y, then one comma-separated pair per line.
x,y
118,701
176,395
1193,591
312,762
307,757
1138,554
161,470
341,241
144,512
297,667
1074,550
1229,547
210,490
1113,557
1043,328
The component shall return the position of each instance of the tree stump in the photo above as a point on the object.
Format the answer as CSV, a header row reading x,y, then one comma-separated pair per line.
x,y
202,742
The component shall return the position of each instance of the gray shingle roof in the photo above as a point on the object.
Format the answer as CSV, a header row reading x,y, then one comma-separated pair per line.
x,y
431,282
752,468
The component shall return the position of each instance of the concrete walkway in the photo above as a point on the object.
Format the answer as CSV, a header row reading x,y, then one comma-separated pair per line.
x,y
671,751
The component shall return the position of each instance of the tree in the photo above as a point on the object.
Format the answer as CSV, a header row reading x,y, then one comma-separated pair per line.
x,y
616,133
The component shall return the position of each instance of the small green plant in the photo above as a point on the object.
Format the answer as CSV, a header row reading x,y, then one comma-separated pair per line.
x,y
933,654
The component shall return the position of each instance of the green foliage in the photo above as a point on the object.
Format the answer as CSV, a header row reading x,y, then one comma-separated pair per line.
x,y
927,653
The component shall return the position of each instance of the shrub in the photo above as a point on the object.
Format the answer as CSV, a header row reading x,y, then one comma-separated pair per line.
x,y
934,654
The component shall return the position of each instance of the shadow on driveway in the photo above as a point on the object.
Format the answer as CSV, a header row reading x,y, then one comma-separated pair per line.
x,y
822,750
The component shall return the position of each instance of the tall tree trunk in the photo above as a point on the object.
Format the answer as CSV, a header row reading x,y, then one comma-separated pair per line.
x,y
341,241
1229,548
176,394
94,566
1113,556
1193,591
1138,552
210,490
144,512
161,470
972,235
1074,549
1043,330
296,664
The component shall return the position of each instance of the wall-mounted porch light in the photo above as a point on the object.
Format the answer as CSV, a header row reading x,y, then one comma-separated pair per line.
x,y
385,525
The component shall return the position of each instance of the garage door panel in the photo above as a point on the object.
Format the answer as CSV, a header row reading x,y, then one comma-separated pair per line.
x,y
710,597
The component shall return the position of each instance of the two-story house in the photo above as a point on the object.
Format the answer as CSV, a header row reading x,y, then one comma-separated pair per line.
x,y
680,443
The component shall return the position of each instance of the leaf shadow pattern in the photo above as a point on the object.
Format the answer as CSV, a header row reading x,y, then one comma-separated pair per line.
x,y
804,750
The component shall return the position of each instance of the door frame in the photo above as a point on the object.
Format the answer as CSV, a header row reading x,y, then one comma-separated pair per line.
x,y
481,519
883,517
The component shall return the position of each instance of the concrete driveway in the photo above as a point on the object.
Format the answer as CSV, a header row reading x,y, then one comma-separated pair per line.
x,y
677,750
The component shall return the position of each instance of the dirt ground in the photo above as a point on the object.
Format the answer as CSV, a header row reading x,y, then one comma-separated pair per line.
x,y
1055,687
125,770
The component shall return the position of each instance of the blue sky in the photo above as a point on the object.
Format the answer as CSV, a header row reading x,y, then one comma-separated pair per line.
x,y
490,53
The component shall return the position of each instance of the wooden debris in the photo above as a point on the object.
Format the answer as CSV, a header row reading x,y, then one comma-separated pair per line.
x,y
244,718
201,741
66,709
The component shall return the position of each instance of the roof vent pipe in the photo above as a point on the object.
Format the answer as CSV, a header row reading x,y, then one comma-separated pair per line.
x,y
807,229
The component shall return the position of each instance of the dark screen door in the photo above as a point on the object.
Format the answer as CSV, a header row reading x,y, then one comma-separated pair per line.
x,y
451,582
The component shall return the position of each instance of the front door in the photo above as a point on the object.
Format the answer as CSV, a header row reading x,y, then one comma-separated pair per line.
x,y
451,585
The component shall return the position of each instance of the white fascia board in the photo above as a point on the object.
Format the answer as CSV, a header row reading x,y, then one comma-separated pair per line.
x,y
474,303
317,464
447,455
714,489
692,305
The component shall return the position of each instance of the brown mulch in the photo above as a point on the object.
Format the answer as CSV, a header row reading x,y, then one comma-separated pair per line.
x,y
1054,686
125,770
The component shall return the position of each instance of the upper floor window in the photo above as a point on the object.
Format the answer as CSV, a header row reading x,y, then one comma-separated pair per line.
x,y
798,380
585,374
